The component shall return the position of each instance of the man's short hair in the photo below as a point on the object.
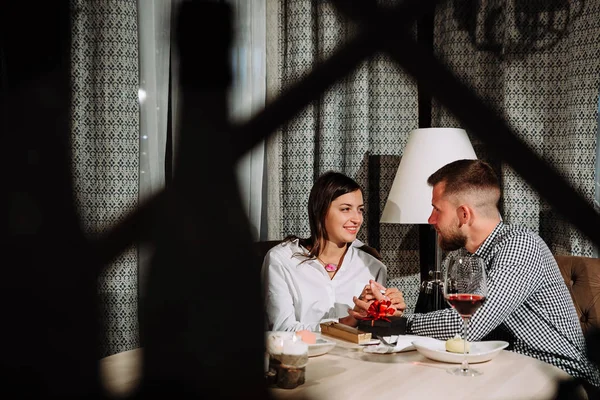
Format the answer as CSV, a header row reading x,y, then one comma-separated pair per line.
x,y
468,177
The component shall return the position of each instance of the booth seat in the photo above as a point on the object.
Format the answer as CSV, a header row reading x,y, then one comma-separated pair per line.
x,y
582,276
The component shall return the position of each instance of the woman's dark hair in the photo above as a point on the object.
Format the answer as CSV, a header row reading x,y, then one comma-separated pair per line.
x,y
328,187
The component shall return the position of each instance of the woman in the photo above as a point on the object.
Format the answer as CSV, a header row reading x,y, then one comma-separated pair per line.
x,y
314,280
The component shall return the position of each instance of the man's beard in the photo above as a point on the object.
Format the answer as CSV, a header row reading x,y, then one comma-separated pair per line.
x,y
452,241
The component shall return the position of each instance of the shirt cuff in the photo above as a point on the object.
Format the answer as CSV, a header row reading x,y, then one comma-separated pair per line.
x,y
409,321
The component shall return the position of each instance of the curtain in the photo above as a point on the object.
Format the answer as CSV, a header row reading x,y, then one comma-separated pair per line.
x,y
537,64
154,36
246,98
358,127
105,146
120,84
597,176
124,68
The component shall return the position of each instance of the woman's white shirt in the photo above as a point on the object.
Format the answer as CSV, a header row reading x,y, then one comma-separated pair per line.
x,y
300,295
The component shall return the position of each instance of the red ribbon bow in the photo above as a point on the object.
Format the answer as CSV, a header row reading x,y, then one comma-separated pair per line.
x,y
380,309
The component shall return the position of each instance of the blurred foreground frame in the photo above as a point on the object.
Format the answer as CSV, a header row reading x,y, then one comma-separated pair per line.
x,y
49,292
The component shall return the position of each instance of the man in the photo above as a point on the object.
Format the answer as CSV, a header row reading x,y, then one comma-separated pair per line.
x,y
528,303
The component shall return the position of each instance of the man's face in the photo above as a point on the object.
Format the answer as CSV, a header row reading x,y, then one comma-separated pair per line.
x,y
444,218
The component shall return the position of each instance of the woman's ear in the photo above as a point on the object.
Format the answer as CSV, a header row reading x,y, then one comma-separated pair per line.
x,y
464,214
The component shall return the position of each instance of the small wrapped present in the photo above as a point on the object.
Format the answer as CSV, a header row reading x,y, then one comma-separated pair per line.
x,y
380,320
380,327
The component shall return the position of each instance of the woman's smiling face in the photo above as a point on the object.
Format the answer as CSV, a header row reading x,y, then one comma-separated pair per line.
x,y
344,218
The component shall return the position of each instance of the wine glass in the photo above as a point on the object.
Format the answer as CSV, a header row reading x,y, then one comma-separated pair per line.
x,y
465,289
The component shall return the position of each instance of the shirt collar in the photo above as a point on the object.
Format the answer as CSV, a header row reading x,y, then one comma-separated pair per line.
x,y
349,253
357,243
485,250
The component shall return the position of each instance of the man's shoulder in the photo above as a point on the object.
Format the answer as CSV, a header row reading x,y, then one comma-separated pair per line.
x,y
516,242
512,234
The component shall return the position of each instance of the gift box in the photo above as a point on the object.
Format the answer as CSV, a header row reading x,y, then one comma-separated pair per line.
x,y
383,327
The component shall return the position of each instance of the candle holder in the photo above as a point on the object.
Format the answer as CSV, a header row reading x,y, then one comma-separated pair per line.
x,y
288,356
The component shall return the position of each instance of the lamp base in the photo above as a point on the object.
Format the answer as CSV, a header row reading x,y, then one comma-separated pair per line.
x,y
431,296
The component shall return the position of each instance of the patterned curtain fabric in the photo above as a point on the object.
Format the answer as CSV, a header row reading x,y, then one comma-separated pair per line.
x,y
358,127
105,146
538,66
597,178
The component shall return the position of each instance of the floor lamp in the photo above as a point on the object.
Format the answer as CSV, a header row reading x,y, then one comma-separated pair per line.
x,y
409,201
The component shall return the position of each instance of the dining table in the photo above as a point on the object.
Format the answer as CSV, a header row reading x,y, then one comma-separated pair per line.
x,y
348,372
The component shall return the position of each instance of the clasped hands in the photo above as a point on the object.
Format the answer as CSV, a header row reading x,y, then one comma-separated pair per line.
x,y
375,291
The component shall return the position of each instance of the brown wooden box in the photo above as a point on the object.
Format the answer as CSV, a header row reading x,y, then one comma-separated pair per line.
x,y
345,332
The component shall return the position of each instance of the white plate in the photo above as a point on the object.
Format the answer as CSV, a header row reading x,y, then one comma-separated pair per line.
x,y
405,340
401,343
393,339
321,347
480,351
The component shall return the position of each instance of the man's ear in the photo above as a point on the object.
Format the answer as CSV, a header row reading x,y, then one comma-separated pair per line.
x,y
464,214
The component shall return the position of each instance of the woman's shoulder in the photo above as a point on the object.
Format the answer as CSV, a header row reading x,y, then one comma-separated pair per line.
x,y
365,248
283,246
367,253
287,248
372,251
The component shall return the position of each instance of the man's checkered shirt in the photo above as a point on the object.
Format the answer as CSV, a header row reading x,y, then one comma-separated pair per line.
x,y
528,305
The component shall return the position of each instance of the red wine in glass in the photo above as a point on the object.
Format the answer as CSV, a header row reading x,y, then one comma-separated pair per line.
x,y
465,289
465,304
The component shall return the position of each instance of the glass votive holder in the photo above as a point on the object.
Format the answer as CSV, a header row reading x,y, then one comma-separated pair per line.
x,y
288,359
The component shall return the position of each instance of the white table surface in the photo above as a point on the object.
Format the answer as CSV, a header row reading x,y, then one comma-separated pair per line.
x,y
346,372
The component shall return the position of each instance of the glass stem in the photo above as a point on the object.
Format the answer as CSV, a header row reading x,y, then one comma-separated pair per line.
x,y
465,364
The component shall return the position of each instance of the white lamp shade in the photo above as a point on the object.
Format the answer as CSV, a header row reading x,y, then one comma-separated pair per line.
x,y
427,150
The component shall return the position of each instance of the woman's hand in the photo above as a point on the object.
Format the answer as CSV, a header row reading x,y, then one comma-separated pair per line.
x,y
367,293
394,295
376,291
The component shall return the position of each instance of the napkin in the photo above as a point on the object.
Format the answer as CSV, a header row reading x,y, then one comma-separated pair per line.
x,y
403,343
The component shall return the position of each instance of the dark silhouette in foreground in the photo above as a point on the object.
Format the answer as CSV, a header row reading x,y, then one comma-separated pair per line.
x,y
202,283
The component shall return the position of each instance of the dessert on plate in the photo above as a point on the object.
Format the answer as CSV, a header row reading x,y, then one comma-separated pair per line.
x,y
456,345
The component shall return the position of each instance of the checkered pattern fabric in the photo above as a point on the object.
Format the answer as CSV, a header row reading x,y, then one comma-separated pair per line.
x,y
528,305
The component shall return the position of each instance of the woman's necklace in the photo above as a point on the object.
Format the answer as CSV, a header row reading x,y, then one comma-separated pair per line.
x,y
328,266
